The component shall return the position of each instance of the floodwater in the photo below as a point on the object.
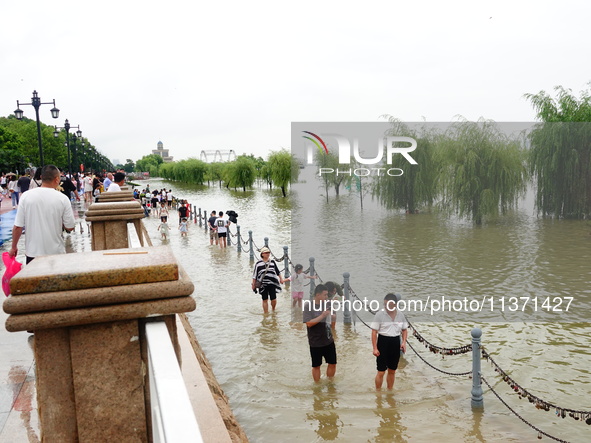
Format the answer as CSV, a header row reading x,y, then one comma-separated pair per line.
x,y
263,363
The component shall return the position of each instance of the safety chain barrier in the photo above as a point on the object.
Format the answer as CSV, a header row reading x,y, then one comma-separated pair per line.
x,y
522,392
540,432
354,294
459,374
438,349
538,402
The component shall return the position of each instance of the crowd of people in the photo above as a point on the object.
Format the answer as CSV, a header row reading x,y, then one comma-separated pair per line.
x,y
73,186
46,214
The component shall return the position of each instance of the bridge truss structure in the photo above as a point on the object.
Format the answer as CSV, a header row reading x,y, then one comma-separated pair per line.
x,y
217,155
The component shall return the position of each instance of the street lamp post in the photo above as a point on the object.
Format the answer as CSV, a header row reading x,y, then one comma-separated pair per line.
x,y
36,103
67,127
75,150
82,156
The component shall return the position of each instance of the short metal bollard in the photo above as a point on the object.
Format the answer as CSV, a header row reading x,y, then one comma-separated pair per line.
x,y
477,399
311,274
347,304
286,262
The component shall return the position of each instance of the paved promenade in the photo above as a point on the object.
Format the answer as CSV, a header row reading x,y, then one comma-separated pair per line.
x,y
18,405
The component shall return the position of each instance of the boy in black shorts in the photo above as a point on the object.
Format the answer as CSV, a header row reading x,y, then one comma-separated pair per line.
x,y
319,321
388,337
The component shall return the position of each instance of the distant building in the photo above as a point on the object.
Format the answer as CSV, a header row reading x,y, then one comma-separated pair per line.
x,y
162,153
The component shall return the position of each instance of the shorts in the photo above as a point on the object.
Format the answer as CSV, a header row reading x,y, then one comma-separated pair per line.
x,y
389,348
297,295
329,352
222,235
213,234
268,292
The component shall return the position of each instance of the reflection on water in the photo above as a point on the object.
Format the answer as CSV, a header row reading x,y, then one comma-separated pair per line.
x,y
263,362
325,406
268,333
390,428
23,389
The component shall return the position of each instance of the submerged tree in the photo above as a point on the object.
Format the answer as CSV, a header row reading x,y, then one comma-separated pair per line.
x,y
283,169
326,160
560,157
243,172
484,170
417,184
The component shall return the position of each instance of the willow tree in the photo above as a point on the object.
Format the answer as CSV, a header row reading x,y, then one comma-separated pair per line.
x,y
326,160
283,169
242,173
483,170
416,186
215,173
560,155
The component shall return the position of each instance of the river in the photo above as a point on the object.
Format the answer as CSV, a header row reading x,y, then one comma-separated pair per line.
x,y
262,362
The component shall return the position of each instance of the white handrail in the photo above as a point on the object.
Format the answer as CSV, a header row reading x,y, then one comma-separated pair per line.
x,y
173,419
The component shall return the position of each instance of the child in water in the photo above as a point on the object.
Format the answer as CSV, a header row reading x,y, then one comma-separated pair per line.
x,y
163,211
163,227
297,285
183,227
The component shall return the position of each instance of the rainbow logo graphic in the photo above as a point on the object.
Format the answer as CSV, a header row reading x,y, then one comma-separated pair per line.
x,y
316,142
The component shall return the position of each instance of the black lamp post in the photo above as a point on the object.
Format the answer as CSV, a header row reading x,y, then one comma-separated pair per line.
x,y
82,156
67,127
75,137
36,103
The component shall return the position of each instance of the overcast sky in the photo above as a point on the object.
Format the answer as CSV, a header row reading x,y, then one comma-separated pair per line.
x,y
234,75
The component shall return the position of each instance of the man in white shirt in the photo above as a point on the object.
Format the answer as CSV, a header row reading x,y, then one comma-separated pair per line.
x,y
45,212
119,180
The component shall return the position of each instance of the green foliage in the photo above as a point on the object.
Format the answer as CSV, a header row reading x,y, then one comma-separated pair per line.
x,y
483,170
10,148
129,165
265,175
24,146
327,160
191,170
214,173
19,147
418,184
560,155
283,169
147,161
243,172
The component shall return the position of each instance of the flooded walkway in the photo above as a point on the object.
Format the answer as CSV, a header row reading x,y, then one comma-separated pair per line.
x,y
18,405
19,420
262,362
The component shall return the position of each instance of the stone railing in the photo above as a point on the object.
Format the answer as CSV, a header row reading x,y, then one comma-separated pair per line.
x,y
88,312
